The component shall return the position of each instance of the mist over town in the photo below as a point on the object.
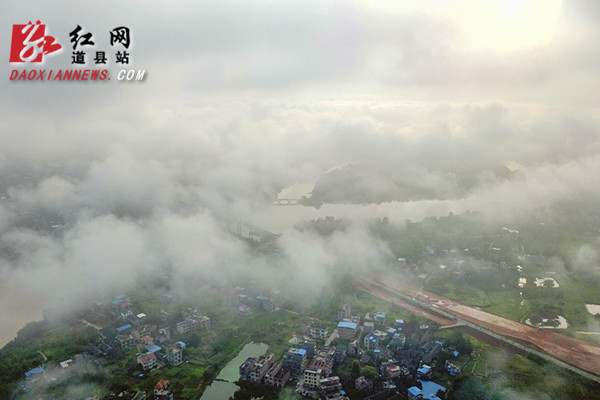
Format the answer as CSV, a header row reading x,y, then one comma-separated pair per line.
x,y
423,161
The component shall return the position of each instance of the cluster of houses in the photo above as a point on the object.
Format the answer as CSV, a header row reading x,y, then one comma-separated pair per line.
x,y
154,344
248,303
401,353
310,367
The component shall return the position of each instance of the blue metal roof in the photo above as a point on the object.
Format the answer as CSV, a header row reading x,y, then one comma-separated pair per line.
x,y
430,389
122,328
302,351
424,370
456,353
415,391
34,371
380,315
399,321
346,324
391,330
261,298
153,348
180,343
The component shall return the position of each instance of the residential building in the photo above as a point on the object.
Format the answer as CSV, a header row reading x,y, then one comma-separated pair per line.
x,y
295,360
193,324
370,342
414,393
338,355
140,318
353,348
393,371
368,327
433,353
267,303
174,353
317,331
244,310
452,369
325,365
330,385
123,328
362,383
380,318
380,335
346,330
148,344
143,330
245,368
164,334
260,368
125,341
148,360
277,375
309,346
312,378
397,340
163,391
344,311
189,312
424,372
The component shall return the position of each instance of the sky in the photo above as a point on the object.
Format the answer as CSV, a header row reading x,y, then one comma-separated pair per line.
x,y
243,99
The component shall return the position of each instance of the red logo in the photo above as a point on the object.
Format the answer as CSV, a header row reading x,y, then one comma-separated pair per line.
x,y
30,43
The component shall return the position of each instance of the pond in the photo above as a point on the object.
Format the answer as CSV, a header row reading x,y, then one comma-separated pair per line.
x,y
223,387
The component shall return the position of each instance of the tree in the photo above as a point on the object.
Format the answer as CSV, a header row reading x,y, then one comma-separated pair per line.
x,y
370,373
355,371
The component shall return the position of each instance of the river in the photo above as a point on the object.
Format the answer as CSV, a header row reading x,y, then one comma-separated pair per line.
x,y
220,390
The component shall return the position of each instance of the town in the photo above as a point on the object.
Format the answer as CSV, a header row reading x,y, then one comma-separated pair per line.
x,y
379,357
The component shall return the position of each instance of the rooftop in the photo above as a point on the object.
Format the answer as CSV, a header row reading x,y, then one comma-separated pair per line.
x,y
153,348
34,371
424,370
122,328
430,389
415,391
146,357
164,384
347,325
